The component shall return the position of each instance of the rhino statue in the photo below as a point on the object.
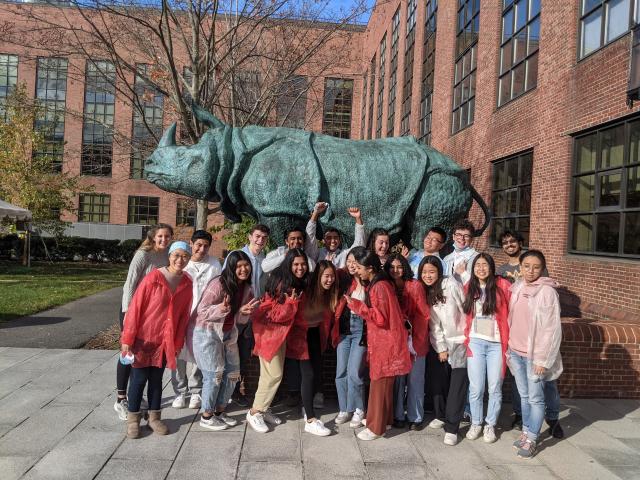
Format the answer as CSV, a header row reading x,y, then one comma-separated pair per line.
x,y
276,175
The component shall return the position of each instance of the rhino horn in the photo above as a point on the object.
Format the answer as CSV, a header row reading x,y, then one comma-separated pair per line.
x,y
208,118
169,137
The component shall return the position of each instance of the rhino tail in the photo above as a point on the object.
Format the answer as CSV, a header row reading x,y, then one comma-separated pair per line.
x,y
485,210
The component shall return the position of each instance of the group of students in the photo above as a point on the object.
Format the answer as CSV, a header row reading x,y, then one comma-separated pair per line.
x,y
400,323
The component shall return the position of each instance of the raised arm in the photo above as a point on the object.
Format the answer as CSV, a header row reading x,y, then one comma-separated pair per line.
x,y
273,259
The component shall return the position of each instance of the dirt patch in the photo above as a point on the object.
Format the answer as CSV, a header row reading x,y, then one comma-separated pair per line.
x,y
108,339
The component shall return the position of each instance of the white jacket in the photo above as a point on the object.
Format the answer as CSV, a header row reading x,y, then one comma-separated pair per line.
x,y
447,323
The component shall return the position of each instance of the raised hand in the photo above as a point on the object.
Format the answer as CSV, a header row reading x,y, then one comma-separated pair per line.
x,y
405,251
292,295
354,212
226,305
461,267
248,308
320,207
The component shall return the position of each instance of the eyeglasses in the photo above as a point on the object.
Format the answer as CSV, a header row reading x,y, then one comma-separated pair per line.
x,y
460,235
509,242
432,239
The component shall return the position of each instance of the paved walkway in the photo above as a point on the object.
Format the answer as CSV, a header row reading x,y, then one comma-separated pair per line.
x,y
57,421
67,326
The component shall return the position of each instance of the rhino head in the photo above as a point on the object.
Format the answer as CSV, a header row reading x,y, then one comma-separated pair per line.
x,y
188,170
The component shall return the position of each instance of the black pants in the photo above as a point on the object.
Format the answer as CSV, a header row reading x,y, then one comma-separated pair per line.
x,y
150,376
449,387
122,371
305,371
245,346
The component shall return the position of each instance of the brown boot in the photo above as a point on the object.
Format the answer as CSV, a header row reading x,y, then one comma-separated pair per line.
x,y
156,424
133,424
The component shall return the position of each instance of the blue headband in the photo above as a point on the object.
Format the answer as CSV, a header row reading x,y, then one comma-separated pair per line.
x,y
179,245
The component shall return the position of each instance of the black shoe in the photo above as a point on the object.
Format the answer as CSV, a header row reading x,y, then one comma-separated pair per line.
x,y
555,430
416,427
241,401
399,424
517,422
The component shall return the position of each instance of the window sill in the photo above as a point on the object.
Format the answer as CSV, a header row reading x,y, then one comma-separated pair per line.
x,y
599,49
601,258
514,99
461,130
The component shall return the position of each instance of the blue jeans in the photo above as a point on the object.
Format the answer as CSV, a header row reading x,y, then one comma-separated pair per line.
x,y
551,400
531,389
218,386
414,381
349,357
485,365
152,378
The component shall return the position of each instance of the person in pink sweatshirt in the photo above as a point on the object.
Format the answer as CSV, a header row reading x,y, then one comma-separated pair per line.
x,y
534,344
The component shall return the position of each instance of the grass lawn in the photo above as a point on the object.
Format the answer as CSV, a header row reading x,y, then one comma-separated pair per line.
x,y
24,291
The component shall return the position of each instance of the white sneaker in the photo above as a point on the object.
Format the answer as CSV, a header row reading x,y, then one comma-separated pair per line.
x,y
122,408
450,439
179,402
342,417
367,434
229,421
195,401
316,428
257,422
489,434
357,419
213,423
436,423
474,432
318,400
271,418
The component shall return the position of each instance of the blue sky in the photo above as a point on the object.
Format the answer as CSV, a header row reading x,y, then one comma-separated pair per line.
x,y
335,7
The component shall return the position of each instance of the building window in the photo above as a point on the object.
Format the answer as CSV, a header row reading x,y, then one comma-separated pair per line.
x,y
381,71
97,131
143,210
338,95
363,107
8,79
247,92
603,21
605,205
393,80
407,86
428,70
511,195
51,93
464,83
519,49
147,120
372,84
291,105
186,212
94,207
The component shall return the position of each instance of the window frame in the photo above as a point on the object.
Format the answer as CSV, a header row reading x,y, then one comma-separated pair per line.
x,y
426,91
409,59
392,97
93,197
382,65
183,208
8,78
634,11
131,198
335,125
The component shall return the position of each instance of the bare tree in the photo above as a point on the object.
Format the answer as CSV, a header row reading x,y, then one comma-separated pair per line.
x,y
250,61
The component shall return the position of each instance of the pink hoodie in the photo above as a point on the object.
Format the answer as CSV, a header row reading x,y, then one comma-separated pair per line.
x,y
545,331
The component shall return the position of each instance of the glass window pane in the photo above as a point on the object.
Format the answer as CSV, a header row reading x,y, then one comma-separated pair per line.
x,y
582,233
526,166
524,205
634,142
632,233
518,80
532,72
506,54
512,172
534,8
520,46
610,189
586,152
589,4
521,14
511,202
591,29
533,35
608,228
498,204
633,187
617,18
523,228
584,193
505,88
498,176
612,144
507,25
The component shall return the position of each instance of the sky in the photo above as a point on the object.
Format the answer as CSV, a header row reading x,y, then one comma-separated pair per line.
x,y
335,7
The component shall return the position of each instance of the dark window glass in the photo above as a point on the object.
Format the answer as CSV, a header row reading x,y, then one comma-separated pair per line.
x,y
602,21
143,210
338,96
428,70
291,106
465,67
381,71
363,105
393,79
94,207
407,86
372,83
186,212
8,79
606,191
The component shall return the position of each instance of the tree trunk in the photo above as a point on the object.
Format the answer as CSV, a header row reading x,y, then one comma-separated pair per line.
x,y
202,212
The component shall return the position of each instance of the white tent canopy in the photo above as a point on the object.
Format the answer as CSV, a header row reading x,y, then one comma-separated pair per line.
x,y
13,212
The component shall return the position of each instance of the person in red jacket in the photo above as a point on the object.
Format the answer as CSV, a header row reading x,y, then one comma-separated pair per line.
x,y
154,330
272,321
413,302
387,349
486,333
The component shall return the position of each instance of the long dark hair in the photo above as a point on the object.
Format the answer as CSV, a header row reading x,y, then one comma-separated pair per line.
x,y
282,280
315,294
434,292
368,258
475,292
229,280
407,274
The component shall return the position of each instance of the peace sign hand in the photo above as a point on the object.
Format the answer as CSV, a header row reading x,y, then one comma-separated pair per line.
x,y
225,306
292,295
248,308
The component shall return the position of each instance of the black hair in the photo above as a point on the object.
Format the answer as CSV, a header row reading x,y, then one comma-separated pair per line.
x,y
368,258
295,229
282,280
439,231
375,233
464,224
511,233
332,230
434,292
229,280
491,290
260,227
201,235
535,253
407,273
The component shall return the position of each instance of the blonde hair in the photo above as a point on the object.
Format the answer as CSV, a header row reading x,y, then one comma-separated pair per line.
x,y
149,242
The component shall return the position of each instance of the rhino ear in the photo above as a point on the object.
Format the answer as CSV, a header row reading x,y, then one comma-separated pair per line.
x,y
169,137
208,118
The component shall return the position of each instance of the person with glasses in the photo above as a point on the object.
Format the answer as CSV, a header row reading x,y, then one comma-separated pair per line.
x,y
432,243
458,263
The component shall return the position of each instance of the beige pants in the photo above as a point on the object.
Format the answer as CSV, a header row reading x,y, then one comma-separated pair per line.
x,y
270,378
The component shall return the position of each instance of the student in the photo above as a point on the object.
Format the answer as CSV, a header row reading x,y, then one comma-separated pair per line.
x,y
296,238
413,303
272,321
486,336
431,244
151,254
154,332
388,353
349,340
458,263
534,344
201,268
227,301
332,242
308,338
447,360
379,243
